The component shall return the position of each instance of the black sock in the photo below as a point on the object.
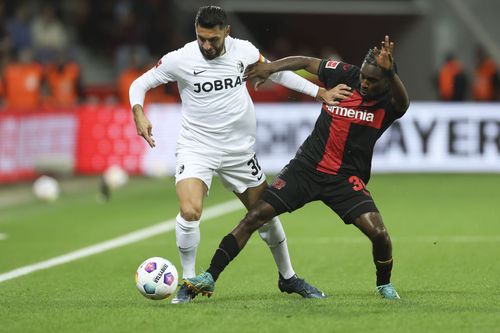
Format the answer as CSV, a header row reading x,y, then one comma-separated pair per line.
x,y
384,269
228,249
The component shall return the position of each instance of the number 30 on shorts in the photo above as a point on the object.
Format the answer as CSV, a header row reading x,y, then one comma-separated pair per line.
x,y
254,165
358,185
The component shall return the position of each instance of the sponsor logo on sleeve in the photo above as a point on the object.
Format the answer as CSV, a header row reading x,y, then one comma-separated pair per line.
x,y
332,64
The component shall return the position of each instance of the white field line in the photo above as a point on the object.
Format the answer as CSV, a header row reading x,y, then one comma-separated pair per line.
x,y
154,230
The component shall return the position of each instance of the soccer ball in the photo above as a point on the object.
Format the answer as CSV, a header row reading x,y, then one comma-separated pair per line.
x,y
115,177
46,189
156,278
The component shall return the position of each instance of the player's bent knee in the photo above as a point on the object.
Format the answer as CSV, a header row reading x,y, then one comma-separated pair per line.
x,y
372,225
191,213
380,235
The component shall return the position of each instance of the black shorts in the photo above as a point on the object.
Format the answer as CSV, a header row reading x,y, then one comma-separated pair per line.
x,y
299,183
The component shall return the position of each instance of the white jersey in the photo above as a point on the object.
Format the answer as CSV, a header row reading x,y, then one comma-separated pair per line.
x,y
217,111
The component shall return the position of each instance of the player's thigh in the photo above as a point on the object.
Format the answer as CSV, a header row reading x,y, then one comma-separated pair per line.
x,y
193,177
251,195
191,192
348,197
296,185
241,171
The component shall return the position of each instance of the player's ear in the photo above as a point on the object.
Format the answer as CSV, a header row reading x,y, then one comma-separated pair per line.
x,y
228,30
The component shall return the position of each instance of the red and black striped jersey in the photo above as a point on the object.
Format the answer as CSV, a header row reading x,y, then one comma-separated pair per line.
x,y
344,136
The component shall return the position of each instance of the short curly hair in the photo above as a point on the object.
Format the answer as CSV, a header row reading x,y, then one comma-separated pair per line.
x,y
370,58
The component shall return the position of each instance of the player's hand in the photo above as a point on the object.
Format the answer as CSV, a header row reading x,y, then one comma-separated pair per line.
x,y
334,95
143,125
259,71
384,54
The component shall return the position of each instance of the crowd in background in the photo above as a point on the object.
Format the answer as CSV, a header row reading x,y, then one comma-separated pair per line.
x,y
455,85
38,50
39,42
35,48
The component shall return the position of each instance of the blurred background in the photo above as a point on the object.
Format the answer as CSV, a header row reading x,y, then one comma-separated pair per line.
x,y
105,38
66,67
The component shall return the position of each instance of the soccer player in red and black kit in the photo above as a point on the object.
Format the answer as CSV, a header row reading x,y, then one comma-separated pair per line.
x,y
333,164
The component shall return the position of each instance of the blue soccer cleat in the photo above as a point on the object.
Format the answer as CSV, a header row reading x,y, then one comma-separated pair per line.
x,y
388,291
184,295
201,284
299,286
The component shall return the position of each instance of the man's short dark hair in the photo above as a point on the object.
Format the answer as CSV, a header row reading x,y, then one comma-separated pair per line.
x,y
211,17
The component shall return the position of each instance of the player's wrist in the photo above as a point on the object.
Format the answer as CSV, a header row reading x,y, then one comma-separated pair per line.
x,y
320,93
389,73
137,109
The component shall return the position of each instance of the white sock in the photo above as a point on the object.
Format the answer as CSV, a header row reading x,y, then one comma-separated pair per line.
x,y
273,234
187,235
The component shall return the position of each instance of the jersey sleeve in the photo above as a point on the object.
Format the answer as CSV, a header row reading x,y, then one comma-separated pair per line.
x,y
165,70
162,73
332,72
252,51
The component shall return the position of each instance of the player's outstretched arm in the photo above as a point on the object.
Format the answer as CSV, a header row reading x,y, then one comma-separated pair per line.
x,y
262,71
385,60
285,78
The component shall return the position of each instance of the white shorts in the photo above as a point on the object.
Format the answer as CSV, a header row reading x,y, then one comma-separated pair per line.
x,y
237,171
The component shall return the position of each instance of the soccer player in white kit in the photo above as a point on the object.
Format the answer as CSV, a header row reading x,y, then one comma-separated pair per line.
x,y
217,135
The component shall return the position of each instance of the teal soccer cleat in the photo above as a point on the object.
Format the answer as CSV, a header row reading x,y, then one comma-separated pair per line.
x,y
201,284
387,291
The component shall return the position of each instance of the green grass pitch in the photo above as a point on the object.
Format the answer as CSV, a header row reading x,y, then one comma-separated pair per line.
x,y
445,231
